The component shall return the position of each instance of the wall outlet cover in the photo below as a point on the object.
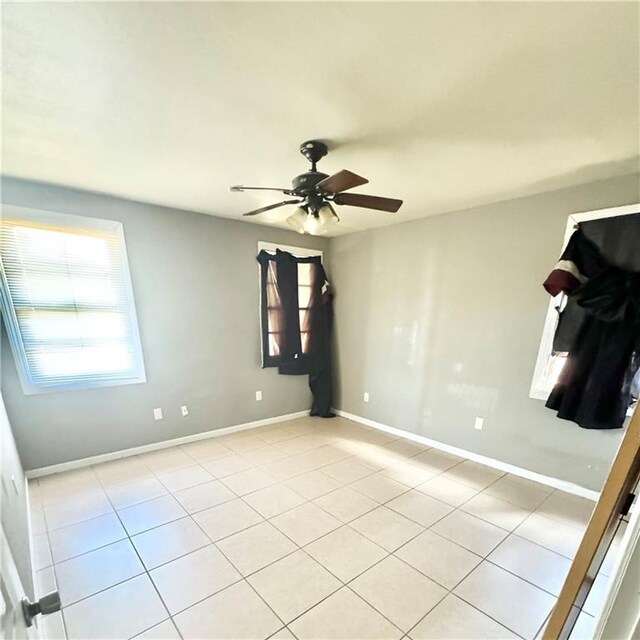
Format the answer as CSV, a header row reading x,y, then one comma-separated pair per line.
x,y
157,414
365,396
184,410
258,396
478,423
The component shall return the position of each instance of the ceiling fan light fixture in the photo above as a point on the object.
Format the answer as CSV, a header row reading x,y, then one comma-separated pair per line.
x,y
298,220
326,219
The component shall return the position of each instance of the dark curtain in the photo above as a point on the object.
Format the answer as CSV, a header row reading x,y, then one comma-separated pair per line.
x,y
300,341
599,328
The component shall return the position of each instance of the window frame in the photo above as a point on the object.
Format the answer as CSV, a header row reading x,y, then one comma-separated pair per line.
x,y
537,390
71,221
269,361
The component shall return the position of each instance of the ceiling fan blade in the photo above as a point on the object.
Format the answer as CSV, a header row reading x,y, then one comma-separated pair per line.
x,y
271,206
240,187
341,181
368,202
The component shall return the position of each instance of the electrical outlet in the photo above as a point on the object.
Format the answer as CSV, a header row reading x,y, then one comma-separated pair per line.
x,y
258,396
479,423
365,396
184,410
157,414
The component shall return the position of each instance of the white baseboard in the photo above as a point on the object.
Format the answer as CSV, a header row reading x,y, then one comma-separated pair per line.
x,y
134,451
556,483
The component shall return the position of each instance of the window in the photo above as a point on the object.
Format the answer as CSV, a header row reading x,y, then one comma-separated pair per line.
x,y
549,364
67,301
271,315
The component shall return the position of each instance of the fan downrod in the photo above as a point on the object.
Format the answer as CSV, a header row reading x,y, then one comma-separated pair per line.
x,y
314,151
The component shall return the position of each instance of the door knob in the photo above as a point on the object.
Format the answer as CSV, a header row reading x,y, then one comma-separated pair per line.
x,y
46,605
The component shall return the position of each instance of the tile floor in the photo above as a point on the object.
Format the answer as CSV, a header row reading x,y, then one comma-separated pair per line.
x,y
307,529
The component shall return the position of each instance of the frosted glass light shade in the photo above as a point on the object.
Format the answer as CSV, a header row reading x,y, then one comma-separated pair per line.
x,y
298,220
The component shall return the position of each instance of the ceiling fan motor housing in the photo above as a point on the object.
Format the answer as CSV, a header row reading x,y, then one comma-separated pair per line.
x,y
305,183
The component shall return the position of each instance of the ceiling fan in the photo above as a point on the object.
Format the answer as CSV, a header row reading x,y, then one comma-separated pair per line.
x,y
313,192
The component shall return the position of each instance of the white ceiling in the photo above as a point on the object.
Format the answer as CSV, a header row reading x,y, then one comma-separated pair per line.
x,y
443,105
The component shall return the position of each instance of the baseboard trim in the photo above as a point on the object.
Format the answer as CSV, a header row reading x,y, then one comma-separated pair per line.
x,y
556,483
165,444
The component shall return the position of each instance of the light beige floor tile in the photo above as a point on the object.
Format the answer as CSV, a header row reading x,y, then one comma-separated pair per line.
x,y
184,478
225,519
45,581
97,570
256,547
503,514
42,552
347,471
475,475
346,504
568,508
553,534
379,487
387,528
470,532
534,563
449,491
294,584
77,482
405,448
164,631
193,577
584,628
289,467
525,493
419,507
121,471
305,523
203,496
51,627
140,490
206,450
313,484
440,559
343,616
120,612
246,443
283,634
247,481
512,602
164,460
597,596
76,539
297,445
436,461
70,510
400,593
274,500
263,455
152,513
227,466
237,613
408,474
345,552
454,619
272,436
169,541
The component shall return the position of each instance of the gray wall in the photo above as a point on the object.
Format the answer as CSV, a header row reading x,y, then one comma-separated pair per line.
x,y
195,282
440,321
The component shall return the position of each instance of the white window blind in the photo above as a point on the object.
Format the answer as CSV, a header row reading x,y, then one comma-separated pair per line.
x,y
67,302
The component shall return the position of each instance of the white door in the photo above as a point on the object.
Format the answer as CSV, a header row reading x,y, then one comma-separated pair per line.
x,y
12,621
